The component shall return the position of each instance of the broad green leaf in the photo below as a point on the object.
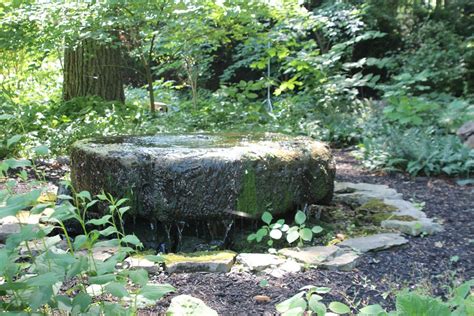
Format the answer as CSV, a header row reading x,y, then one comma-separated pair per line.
x,y
11,210
292,236
14,286
102,279
123,210
83,300
85,195
108,231
300,218
339,308
319,289
120,202
251,237
39,208
81,265
296,301
317,229
316,306
267,218
156,292
42,150
108,266
306,234
45,279
40,297
100,221
13,140
116,289
132,239
139,277
262,232
19,202
17,163
64,303
114,309
372,310
61,259
79,241
276,233
107,243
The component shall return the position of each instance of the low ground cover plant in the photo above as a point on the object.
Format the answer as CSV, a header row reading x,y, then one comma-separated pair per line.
x,y
40,277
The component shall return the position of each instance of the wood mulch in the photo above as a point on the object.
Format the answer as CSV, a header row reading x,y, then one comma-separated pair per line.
x,y
432,264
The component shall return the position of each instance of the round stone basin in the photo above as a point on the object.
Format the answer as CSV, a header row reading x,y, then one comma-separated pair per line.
x,y
171,177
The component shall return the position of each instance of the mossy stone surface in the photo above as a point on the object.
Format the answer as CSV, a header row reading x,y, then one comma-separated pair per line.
x,y
204,261
206,176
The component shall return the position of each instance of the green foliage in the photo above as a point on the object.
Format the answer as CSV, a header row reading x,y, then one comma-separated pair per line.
x,y
316,63
413,134
309,300
277,230
33,279
461,303
432,61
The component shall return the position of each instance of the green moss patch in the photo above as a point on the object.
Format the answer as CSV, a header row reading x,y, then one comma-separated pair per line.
x,y
375,206
247,200
200,256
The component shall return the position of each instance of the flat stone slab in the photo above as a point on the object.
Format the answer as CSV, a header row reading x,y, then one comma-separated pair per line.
x,y
310,255
413,228
289,266
212,261
259,261
345,261
405,208
374,242
407,218
204,176
360,193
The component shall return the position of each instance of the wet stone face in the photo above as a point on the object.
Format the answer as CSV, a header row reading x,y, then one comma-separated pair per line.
x,y
170,178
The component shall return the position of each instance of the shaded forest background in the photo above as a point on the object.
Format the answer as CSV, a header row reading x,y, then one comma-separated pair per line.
x,y
395,78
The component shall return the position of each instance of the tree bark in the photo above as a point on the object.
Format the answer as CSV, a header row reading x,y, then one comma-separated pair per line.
x,y
93,69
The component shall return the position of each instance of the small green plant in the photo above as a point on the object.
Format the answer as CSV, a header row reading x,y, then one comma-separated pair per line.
x,y
275,231
309,301
461,303
32,278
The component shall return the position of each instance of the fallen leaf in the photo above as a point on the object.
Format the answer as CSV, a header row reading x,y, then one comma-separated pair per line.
x,y
261,298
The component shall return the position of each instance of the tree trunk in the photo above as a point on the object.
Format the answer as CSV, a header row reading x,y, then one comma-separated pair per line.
x,y
93,69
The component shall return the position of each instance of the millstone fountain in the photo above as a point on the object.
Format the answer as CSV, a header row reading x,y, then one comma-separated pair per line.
x,y
177,179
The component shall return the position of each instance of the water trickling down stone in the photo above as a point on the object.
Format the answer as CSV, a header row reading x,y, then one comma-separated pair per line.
x,y
205,177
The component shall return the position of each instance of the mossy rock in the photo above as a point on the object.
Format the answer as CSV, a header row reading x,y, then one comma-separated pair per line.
x,y
206,176
203,261
375,211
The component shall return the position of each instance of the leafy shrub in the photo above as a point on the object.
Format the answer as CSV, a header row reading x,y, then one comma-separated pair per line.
x,y
415,134
418,150
432,61
32,279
